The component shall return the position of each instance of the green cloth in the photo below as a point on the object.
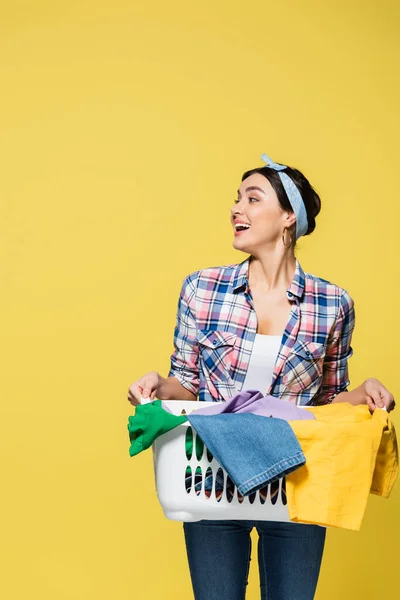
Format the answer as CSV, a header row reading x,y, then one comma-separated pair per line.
x,y
150,421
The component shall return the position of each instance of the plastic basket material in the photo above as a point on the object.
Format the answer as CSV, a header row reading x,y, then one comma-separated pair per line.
x,y
192,485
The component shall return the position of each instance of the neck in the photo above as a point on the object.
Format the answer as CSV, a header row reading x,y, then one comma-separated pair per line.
x,y
272,272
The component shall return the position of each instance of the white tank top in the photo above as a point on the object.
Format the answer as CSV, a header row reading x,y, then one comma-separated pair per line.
x,y
262,362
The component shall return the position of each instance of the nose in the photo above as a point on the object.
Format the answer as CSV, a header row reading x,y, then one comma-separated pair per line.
x,y
236,210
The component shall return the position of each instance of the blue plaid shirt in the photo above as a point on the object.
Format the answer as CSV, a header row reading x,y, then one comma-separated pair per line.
x,y
216,326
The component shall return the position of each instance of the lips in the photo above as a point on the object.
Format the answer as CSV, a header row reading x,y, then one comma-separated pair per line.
x,y
239,232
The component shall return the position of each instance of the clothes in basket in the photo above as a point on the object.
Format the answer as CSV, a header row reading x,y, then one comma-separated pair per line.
x,y
255,402
254,450
349,454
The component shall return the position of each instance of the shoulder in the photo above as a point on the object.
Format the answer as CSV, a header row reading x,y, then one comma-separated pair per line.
x,y
328,291
211,279
218,273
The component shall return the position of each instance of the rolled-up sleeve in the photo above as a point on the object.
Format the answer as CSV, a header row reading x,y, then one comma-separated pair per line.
x,y
339,349
185,358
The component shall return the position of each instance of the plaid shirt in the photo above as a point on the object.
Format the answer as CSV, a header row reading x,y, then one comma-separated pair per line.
x,y
216,326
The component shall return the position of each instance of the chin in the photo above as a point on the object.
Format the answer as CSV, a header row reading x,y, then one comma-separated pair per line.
x,y
241,247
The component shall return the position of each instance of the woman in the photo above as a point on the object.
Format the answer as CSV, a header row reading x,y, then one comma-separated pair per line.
x,y
262,324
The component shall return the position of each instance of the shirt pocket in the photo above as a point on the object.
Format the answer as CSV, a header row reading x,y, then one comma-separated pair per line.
x,y
303,368
217,350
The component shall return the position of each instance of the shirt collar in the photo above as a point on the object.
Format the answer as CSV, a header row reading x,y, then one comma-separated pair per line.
x,y
296,288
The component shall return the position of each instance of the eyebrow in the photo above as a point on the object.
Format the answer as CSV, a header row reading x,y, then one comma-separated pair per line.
x,y
252,188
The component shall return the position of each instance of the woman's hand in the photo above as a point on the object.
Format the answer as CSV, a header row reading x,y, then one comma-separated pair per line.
x,y
377,396
146,386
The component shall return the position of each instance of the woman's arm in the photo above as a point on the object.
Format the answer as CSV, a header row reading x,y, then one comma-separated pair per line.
x,y
336,377
182,381
170,388
371,392
335,370
356,396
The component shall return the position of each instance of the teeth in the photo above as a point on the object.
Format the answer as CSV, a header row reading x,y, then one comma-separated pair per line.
x,y
242,225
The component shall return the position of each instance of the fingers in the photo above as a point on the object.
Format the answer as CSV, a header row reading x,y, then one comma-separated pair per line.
x,y
150,384
144,388
376,397
380,394
135,392
388,400
147,389
380,399
385,399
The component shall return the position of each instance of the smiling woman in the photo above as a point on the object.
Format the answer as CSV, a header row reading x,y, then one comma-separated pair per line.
x,y
263,188
268,323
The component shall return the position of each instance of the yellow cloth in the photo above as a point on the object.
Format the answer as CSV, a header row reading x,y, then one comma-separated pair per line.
x,y
349,453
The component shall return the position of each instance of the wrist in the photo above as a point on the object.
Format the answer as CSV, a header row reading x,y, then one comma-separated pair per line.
x,y
354,397
162,388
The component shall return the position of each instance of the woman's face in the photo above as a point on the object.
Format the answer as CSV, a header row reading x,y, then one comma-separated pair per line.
x,y
257,205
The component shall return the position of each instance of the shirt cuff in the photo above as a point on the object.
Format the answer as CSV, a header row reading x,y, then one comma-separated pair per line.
x,y
189,385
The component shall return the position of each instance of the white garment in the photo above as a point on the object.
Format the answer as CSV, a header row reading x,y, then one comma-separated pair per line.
x,y
262,362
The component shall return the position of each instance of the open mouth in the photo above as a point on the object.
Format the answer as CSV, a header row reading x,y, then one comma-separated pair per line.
x,y
241,228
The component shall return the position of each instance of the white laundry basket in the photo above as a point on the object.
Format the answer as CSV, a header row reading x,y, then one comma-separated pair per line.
x,y
183,502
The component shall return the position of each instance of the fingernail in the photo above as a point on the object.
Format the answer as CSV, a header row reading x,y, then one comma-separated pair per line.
x,y
145,394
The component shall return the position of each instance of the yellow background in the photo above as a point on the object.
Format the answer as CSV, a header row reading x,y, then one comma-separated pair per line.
x,y
125,128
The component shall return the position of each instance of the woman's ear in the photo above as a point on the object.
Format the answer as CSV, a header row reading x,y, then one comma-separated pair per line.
x,y
290,219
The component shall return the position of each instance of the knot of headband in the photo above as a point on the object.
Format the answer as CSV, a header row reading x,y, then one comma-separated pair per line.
x,y
293,194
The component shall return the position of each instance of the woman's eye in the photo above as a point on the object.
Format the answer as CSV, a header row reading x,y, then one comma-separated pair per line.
x,y
236,201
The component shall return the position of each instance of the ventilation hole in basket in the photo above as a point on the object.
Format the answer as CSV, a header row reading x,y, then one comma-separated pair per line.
x,y
230,489
283,492
209,455
198,480
188,479
219,484
274,491
208,482
240,497
252,497
199,448
263,494
189,443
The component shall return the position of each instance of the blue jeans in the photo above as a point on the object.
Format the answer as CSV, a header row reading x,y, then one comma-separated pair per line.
x,y
289,558
254,450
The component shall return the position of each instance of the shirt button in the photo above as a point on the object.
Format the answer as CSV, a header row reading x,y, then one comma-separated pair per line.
x,y
308,353
215,341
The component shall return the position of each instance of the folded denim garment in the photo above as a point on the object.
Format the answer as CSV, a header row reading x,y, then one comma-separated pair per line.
x,y
254,450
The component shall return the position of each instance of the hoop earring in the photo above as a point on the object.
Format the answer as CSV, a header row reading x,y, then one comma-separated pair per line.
x,y
291,238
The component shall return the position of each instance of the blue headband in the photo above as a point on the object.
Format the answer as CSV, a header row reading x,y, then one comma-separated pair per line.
x,y
293,194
